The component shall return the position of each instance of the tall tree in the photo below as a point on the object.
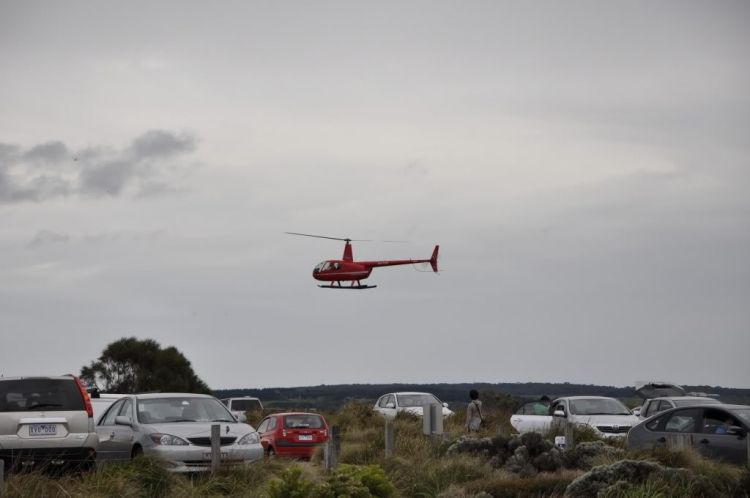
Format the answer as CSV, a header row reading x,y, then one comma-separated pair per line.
x,y
130,365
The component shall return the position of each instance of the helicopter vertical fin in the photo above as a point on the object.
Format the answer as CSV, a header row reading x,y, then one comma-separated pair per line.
x,y
348,252
433,259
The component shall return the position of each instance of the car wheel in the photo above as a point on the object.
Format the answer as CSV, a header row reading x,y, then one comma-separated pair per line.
x,y
271,453
136,452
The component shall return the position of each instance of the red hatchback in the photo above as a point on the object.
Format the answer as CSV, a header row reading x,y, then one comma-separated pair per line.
x,y
292,434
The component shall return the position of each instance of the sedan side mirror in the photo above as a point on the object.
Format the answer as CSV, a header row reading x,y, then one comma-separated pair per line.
x,y
735,430
445,405
559,413
121,420
242,418
390,405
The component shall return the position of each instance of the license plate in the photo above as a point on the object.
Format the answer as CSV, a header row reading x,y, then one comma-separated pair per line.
x,y
304,437
42,430
207,456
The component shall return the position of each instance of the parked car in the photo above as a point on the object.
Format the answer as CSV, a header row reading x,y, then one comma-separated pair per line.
x,y
391,404
292,434
176,427
100,403
608,416
660,396
46,421
653,406
240,406
716,431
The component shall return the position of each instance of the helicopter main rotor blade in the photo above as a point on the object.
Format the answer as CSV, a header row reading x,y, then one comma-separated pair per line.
x,y
345,240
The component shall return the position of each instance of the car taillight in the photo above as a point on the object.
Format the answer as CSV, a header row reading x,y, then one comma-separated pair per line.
x,y
324,433
86,398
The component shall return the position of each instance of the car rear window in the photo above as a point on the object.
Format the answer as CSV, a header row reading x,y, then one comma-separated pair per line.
x,y
43,395
304,422
246,405
697,401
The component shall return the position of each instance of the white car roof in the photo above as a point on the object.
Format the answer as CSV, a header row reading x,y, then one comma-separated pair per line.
x,y
410,394
172,395
584,397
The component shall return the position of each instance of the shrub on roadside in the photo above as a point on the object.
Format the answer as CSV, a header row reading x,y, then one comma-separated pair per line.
x,y
524,455
582,455
543,485
347,482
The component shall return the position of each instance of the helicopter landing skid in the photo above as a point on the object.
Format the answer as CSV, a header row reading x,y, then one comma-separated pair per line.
x,y
355,287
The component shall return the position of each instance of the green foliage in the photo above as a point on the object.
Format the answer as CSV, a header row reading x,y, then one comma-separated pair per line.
x,y
131,365
584,455
428,477
347,482
291,485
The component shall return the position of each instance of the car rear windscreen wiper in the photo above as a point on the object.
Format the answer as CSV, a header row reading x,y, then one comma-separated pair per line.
x,y
223,420
43,405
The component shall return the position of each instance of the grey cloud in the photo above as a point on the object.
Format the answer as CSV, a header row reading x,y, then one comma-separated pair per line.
x,y
94,171
50,152
158,143
46,238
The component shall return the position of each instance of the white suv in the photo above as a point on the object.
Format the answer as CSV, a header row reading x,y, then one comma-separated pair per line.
x,y
239,406
46,422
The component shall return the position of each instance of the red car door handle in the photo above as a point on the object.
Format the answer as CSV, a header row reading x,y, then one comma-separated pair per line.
x,y
704,441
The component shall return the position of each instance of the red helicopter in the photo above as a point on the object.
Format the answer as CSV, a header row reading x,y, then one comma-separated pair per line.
x,y
348,270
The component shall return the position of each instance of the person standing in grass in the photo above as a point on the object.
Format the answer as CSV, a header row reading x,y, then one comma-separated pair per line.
x,y
474,412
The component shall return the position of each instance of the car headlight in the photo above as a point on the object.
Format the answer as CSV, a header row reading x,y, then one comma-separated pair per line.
x,y
252,438
168,440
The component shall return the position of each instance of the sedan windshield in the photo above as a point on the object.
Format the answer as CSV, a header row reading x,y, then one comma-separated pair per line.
x,y
187,409
414,400
594,406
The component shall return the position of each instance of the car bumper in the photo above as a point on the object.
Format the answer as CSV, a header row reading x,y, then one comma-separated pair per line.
x,y
296,450
198,458
47,458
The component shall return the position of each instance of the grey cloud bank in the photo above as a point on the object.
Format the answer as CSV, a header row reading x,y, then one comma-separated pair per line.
x,y
92,172
584,167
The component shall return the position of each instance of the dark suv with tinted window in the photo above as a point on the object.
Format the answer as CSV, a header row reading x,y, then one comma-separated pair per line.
x,y
46,422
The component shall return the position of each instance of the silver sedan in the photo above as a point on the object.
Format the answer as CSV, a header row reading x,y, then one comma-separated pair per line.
x,y
176,427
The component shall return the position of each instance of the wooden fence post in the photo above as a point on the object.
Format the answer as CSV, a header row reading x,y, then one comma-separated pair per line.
x,y
215,448
570,438
333,449
679,441
433,426
390,440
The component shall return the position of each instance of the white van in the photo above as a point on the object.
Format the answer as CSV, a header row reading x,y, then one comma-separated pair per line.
x,y
239,406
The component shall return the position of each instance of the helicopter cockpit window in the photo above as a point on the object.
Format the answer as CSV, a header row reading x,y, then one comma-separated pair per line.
x,y
335,266
319,267
326,266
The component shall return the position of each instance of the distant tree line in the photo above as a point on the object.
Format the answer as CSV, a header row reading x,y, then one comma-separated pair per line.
x,y
326,397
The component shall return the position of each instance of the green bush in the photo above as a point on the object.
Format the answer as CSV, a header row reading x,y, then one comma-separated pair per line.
x,y
290,485
346,482
584,454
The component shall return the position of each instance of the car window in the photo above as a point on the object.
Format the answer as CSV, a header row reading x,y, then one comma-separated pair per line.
x,y
182,409
382,401
559,406
391,399
273,423
127,409
684,420
416,400
598,406
109,418
263,427
246,405
48,395
303,422
654,424
534,408
664,405
225,401
697,401
718,422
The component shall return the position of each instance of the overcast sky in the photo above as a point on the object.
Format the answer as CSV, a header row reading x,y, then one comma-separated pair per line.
x,y
583,165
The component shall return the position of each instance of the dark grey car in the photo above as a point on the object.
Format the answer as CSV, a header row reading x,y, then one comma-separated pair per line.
x,y
716,431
